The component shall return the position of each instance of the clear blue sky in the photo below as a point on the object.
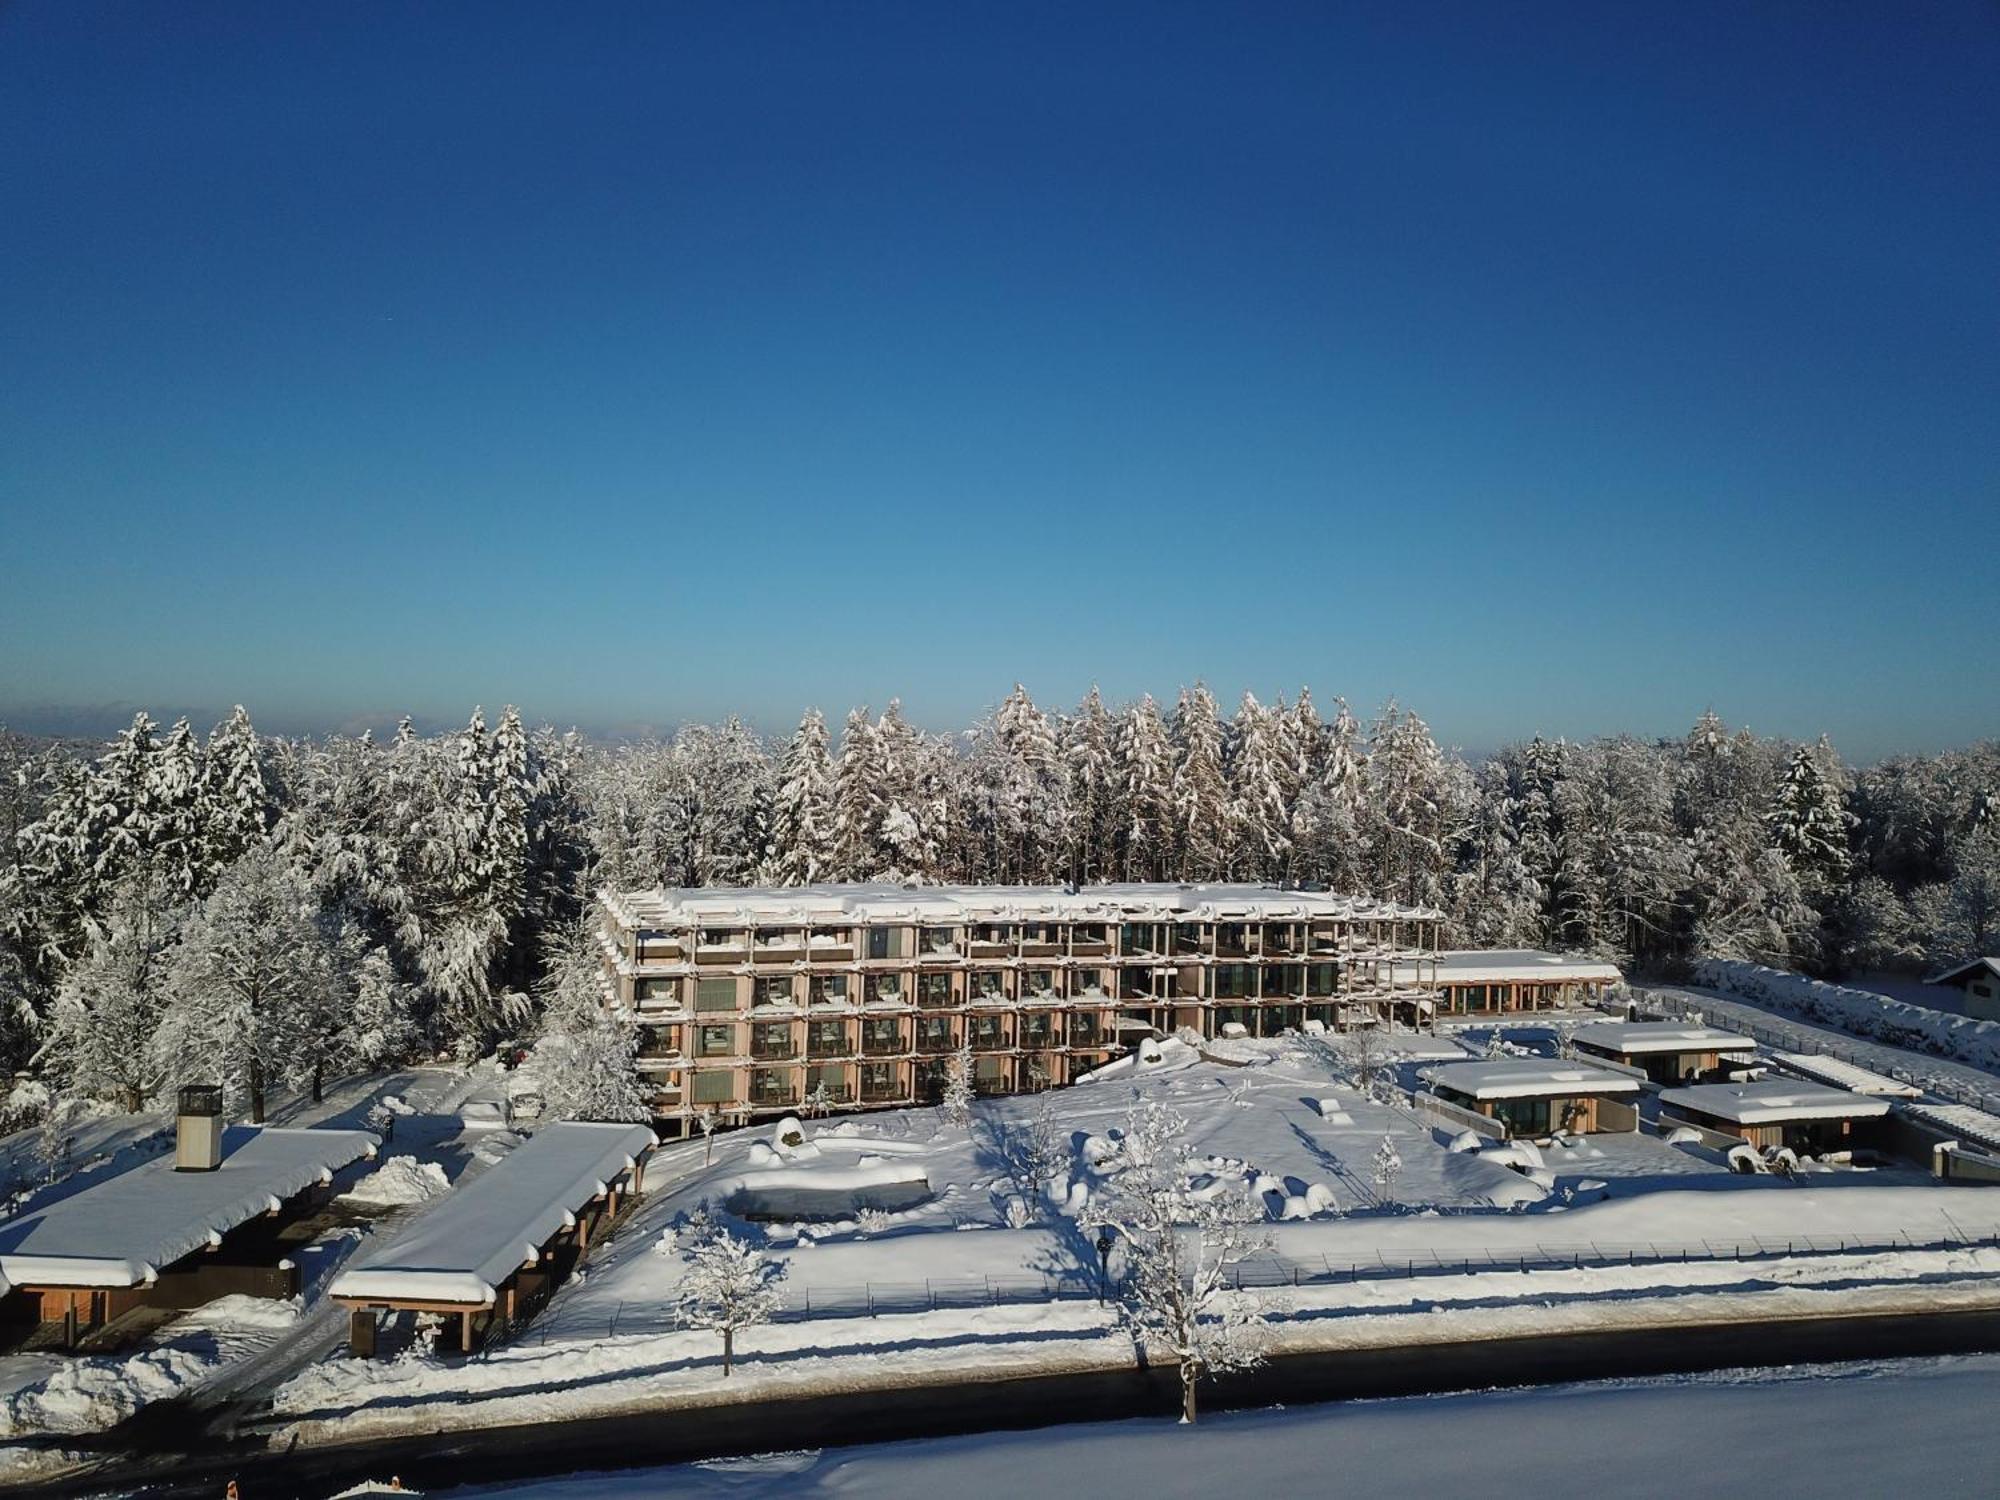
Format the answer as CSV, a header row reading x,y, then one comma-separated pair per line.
x,y
1553,368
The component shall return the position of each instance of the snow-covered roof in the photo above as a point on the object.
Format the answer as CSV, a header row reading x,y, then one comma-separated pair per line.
x,y
125,1230
1772,1102
1634,1038
488,1229
1512,965
1530,1078
1845,1075
775,906
1989,967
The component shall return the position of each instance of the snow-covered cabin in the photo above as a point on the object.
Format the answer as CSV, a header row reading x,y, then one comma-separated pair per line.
x,y
503,1238
1806,1117
1667,1052
172,1232
1980,980
1538,1097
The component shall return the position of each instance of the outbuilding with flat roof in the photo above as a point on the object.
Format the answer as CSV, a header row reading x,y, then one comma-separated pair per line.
x,y
1538,1097
1667,1052
1807,1118
163,1234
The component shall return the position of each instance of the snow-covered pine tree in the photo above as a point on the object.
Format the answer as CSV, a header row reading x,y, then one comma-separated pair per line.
x,y
729,1285
108,1001
252,988
1203,832
803,843
1145,793
1180,1240
1260,816
235,802
178,851
584,1054
1411,800
1089,774
1810,822
1034,821
858,798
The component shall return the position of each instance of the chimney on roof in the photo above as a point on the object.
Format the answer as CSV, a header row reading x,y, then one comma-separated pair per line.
x,y
198,1129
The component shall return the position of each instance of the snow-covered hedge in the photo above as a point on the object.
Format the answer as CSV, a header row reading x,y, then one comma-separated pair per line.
x,y
1915,1027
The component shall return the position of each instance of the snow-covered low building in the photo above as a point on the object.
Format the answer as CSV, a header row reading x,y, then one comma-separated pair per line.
x,y
1537,1097
764,1001
1805,1117
1667,1052
176,1232
1474,982
502,1239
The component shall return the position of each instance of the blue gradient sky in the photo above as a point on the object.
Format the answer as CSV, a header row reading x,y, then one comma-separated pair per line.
x,y
1553,368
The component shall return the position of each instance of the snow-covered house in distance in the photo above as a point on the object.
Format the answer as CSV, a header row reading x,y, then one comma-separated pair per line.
x,y
762,1001
177,1232
1537,1097
1806,1117
1980,979
1665,1051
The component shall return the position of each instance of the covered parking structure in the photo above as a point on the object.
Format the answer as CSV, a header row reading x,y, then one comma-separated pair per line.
x,y
1533,1097
504,1238
167,1237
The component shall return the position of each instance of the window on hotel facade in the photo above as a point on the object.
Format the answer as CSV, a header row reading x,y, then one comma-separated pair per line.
x,y
939,939
827,1038
934,1032
885,989
714,1088
1087,982
829,989
715,1041
775,989
721,937
1038,982
1232,982
885,942
1232,937
1319,979
989,1031
1086,933
1283,979
933,989
987,986
715,994
659,991
772,1039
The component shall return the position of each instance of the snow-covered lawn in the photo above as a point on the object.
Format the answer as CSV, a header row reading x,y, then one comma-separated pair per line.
x,y
992,1275
1913,1427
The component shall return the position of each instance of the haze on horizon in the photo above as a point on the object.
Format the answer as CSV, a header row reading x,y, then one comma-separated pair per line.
x,y
1568,370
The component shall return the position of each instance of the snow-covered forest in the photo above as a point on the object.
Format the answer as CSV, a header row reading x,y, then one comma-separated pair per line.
x,y
285,909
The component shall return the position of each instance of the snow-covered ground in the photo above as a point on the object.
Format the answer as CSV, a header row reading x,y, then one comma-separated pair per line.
x,y
992,1275
1913,1427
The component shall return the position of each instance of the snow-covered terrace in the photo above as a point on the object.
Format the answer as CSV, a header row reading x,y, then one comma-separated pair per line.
x,y
1529,1078
1771,1102
1642,1038
123,1231
831,904
461,1252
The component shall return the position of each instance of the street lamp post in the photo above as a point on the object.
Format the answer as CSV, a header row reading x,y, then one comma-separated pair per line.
x,y
1104,1243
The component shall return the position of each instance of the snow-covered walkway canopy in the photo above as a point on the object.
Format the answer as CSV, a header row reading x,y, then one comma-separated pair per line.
x,y
125,1230
461,1252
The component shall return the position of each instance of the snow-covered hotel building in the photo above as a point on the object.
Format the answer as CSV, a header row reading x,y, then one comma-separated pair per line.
x,y
755,1001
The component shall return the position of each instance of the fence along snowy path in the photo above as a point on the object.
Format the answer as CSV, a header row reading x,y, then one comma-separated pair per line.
x,y
872,1298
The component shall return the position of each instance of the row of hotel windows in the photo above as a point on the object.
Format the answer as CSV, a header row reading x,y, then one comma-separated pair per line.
x,y
836,1038
877,1082
1226,982
1133,937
